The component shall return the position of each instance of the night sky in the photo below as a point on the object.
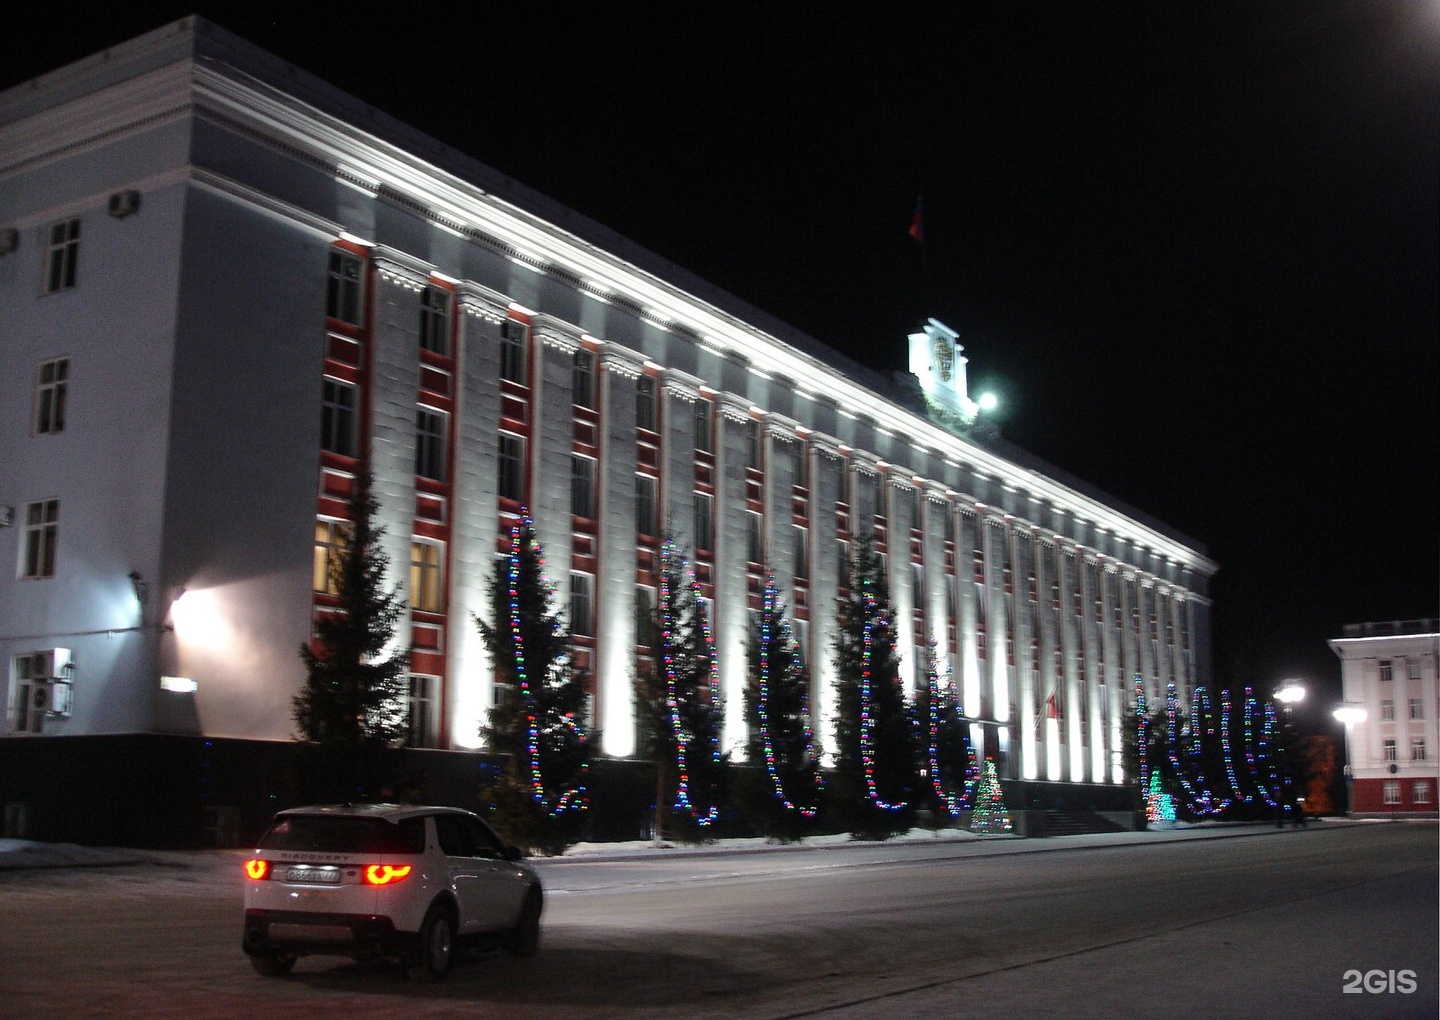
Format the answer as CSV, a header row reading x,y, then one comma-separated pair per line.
x,y
1194,250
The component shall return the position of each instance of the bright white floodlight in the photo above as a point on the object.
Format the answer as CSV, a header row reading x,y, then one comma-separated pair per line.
x,y
988,401
1348,714
1292,692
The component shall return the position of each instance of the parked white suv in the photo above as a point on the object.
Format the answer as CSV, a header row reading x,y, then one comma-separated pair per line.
x,y
385,880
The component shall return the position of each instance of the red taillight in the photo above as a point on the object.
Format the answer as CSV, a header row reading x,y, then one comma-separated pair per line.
x,y
257,869
385,874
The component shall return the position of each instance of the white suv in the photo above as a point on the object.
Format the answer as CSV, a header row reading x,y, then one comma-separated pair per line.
x,y
383,880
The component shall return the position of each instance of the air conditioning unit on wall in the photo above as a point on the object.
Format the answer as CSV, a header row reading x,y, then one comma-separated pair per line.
x,y
123,203
52,663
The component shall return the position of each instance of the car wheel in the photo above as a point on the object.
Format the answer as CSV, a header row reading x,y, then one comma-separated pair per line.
x,y
273,964
437,944
525,938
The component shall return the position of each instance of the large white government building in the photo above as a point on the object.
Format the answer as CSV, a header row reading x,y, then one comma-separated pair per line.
x,y
225,284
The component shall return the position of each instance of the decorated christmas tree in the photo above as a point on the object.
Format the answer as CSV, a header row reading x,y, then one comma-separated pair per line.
x,y
1159,805
990,815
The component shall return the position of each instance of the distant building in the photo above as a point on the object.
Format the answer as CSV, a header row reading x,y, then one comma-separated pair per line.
x,y
1389,671
224,285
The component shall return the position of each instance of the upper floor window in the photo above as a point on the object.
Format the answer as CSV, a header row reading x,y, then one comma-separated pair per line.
x,y
752,444
645,486
645,403
342,289
512,351
42,531
582,487
754,541
802,553
337,418
62,254
703,522
510,473
704,440
584,379
427,593
435,320
331,538
1412,669
1417,708
1417,748
1387,710
1386,672
582,605
51,382
430,444
1391,753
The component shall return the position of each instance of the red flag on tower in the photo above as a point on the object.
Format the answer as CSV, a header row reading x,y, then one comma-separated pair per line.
x,y
917,222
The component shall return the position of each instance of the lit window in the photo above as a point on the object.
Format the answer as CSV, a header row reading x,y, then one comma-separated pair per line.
x,y
337,418
427,593
424,715
645,403
1392,792
330,541
1421,792
1391,754
584,378
430,444
1386,672
703,435
1417,748
511,464
435,320
51,383
645,486
582,605
1417,708
704,520
582,487
342,288
512,351
42,530
1387,710
62,254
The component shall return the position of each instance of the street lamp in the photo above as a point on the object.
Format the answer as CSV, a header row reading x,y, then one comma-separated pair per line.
x,y
1291,693
1350,714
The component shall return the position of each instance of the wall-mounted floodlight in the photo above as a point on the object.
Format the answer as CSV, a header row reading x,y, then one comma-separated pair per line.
x,y
179,684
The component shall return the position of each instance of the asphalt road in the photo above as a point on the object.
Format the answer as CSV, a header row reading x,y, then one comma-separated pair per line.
x,y
1262,923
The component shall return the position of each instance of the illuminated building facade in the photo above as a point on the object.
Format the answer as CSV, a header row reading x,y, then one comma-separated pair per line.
x,y
1388,672
224,285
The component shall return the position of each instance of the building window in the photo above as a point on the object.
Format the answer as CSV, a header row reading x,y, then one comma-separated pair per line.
x,y
512,351
435,320
842,553
582,605
511,464
645,630
330,540
42,530
1387,710
424,716
754,545
1386,672
1417,748
1417,708
704,520
62,254
1412,669
645,403
430,444
752,444
1392,791
427,592
1390,753
802,553
582,486
704,438
645,486
342,289
51,382
798,461
1420,792
584,378
337,418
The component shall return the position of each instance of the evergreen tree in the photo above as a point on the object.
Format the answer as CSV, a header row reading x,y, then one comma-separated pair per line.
x,y
538,800
990,815
947,761
680,707
780,793
351,709
875,767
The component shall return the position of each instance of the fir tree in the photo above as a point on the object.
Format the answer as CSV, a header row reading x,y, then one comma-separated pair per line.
x,y
780,792
875,767
538,722
990,815
351,708
680,707
948,762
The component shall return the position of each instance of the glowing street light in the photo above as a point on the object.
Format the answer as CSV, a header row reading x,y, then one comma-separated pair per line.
x,y
1291,693
1351,715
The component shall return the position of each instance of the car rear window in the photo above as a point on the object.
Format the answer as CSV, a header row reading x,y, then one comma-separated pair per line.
x,y
340,835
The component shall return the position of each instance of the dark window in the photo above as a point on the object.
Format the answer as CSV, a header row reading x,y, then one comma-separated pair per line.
x,y
337,418
62,255
430,444
645,487
435,320
512,351
582,486
345,835
511,474
703,435
584,380
645,403
42,532
51,383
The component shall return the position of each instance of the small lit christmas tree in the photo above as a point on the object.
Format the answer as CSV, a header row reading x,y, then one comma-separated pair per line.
x,y
1159,805
990,814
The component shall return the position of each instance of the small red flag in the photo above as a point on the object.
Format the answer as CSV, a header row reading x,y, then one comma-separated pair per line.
x,y
917,222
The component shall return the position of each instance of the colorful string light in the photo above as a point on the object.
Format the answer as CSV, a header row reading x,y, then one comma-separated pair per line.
x,y
874,617
990,815
767,616
673,563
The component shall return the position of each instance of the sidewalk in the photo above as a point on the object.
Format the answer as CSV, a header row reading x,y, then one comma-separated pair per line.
x,y
26,855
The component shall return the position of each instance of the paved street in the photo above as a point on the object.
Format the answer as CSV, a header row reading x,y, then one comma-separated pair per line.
x,y
1256,922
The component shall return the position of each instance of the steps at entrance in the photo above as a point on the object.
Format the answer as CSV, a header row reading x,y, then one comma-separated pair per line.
x,y
1078,823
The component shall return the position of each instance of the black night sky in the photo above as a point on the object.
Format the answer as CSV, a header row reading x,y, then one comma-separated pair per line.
x,y
1194,249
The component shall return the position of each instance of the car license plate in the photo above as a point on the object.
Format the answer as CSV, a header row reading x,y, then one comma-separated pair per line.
x,y
322,876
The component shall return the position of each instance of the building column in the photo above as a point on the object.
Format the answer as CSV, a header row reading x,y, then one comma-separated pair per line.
x,y
732,610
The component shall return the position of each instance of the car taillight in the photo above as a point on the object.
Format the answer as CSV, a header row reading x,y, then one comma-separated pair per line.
x,y
386,874
257,869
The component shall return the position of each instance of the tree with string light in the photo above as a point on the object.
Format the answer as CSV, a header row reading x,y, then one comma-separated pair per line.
x,y
875,776
538,721
780,793
678,693
351,709
948,767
